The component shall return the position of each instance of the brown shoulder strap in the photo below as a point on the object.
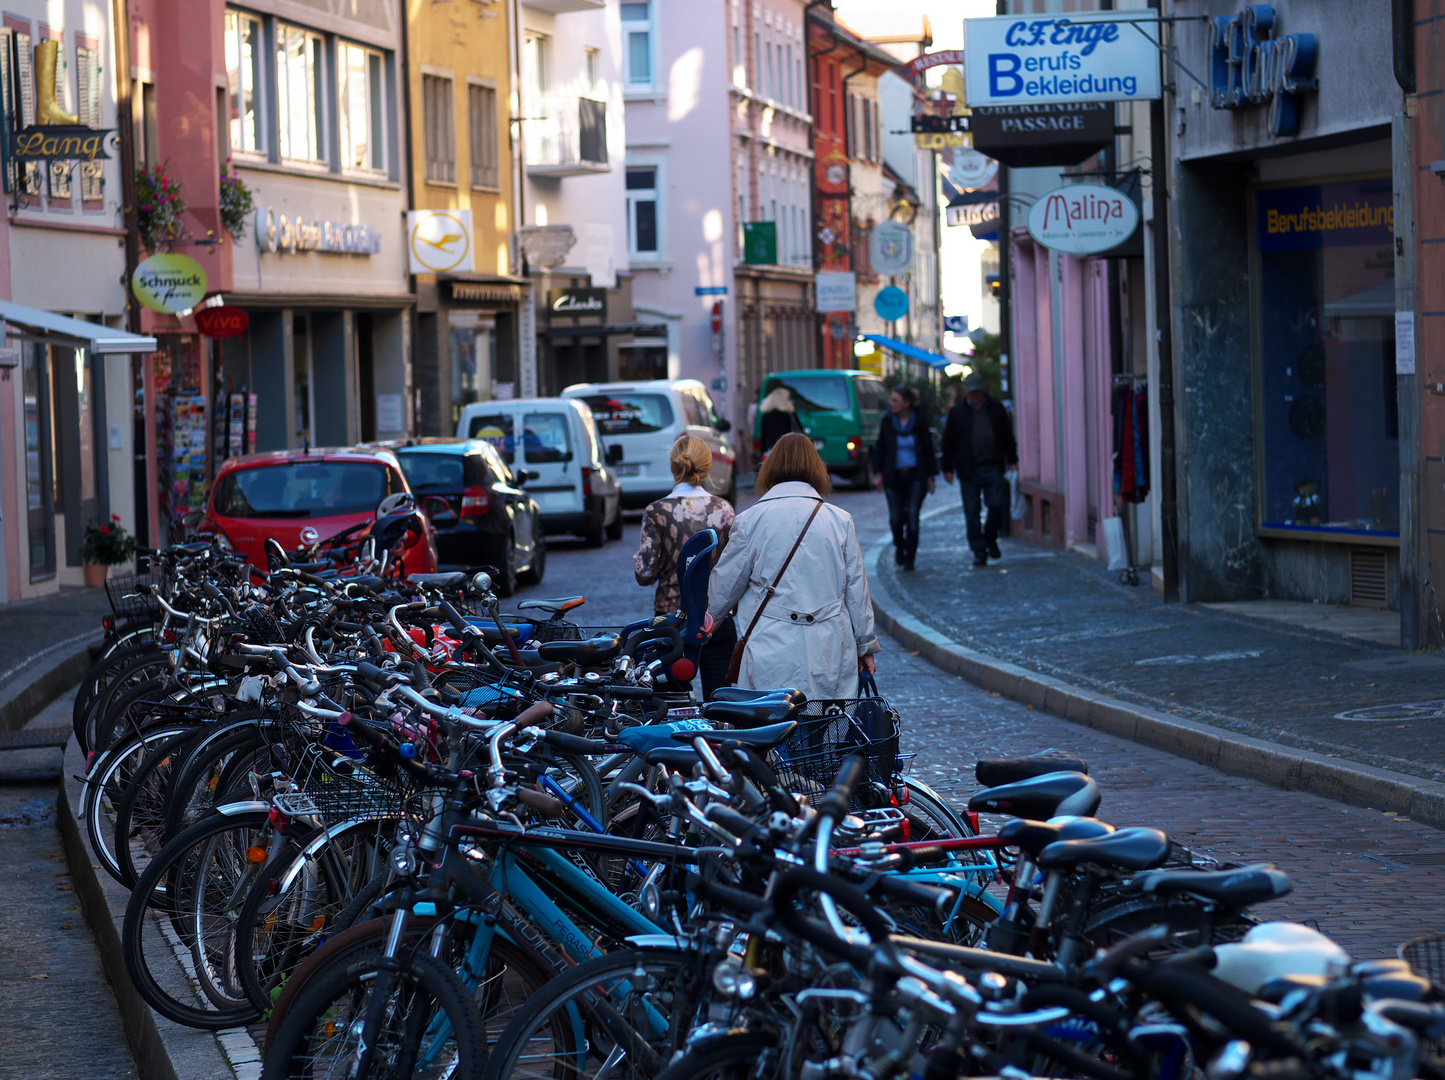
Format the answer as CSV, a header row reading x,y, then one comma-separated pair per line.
x,y
774,586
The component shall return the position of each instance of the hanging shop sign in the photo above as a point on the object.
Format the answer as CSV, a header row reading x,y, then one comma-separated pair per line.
x,y
971,169
169,283
1038,59
1033,136
891,304
974,214
927,123
837,290
1083,219
577,301
1248,65
222,322
890,247
920,64
760,243
282,234
63,142
438,240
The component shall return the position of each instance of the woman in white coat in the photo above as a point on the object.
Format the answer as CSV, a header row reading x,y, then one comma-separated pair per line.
x,y
816,633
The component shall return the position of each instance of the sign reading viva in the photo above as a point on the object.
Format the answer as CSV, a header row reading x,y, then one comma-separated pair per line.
x,y
1083,219
1035,59
222,322
169,283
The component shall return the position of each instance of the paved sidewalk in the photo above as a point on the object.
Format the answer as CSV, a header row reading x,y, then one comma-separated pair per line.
x,y
1064,616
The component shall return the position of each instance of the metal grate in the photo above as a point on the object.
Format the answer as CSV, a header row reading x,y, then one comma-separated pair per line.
x,y
1369,578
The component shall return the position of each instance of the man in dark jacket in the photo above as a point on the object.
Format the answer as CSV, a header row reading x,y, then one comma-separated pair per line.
x,y
906,468
978,444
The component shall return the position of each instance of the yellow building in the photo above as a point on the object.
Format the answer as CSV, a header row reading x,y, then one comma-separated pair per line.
x,y
460,162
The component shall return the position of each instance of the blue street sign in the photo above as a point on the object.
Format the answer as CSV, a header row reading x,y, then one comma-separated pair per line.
x,y
710,290
891,303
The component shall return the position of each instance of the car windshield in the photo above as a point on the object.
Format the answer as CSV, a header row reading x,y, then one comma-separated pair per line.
x,y
303,489
496,430
629,414
545,436
814,393
431,471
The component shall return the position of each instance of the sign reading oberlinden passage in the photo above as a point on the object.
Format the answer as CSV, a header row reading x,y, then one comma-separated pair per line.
x,y
1035,59
169,282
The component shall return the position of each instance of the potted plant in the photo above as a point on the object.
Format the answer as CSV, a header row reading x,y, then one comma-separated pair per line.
x,y
236,203
104,546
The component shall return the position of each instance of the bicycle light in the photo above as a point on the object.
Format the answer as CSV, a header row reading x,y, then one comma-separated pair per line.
x,y
730,980
404,861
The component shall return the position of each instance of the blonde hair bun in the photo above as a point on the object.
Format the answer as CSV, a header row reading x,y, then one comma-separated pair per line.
x,y
691,460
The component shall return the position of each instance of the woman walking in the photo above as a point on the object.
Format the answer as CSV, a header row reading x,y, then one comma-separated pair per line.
x,y
906,469
668,524
794,570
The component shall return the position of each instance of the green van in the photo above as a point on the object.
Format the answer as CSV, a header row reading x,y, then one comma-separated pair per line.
x,y
839,410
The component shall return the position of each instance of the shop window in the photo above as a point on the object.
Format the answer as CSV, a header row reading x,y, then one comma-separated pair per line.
x,y
245,81
642,239
17,68
637,29
1328,416
440,129
301,94
637,362
482,126
361,111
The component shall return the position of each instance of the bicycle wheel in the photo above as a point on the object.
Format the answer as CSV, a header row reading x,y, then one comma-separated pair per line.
x,y
106,784
621,1016
111,664
140,816
735,1057
362,1019
179,935
198,777
930,816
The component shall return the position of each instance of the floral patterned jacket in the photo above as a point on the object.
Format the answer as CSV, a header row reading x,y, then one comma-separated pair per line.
x,y
667,524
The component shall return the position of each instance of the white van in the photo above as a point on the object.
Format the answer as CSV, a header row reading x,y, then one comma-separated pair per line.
x,y
639,422
558,456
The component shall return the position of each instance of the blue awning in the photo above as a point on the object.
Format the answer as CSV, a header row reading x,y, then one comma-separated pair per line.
x,y
913,352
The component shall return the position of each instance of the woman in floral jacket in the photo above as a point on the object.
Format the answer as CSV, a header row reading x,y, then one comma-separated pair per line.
x,y
668,524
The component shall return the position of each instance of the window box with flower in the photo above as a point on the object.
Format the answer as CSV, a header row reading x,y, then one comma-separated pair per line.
x,y
104,546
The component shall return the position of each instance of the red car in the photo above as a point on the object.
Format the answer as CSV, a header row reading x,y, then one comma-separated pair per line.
x,y
303,498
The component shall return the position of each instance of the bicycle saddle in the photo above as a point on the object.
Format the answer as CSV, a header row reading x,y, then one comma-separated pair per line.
x,y
602,649
681,758
1237,888
1033,836
752,714
758,738
1127,849
992,772
554,607
737,693
439,581
1041,797
535,662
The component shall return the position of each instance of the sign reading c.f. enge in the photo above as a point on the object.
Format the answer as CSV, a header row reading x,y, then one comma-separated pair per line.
x,y
1039,59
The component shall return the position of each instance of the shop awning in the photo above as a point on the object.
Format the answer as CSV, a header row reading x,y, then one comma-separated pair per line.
x,y
37,325
913,352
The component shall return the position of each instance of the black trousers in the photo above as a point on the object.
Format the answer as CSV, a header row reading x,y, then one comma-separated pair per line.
x,y
905,501
717,654
987,489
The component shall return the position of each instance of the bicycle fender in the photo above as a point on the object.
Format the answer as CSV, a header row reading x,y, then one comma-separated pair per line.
x,y
311,849
657,941
249,807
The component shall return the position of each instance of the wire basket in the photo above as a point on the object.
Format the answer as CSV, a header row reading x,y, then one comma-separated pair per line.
x,y
335,788
829,732
1426,957
124,600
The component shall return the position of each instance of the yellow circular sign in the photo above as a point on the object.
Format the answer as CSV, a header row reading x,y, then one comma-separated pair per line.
x,y
440,241
169,282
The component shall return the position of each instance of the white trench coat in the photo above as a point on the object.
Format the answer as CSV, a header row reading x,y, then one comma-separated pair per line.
x,y
820,621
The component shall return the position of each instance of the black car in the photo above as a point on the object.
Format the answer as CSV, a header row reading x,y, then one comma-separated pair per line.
x,y
492,520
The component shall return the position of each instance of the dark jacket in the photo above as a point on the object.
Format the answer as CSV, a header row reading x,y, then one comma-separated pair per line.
x,y
885,451
956,447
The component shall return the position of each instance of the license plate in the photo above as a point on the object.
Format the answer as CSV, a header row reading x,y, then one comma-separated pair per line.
x,y
628,470
817,444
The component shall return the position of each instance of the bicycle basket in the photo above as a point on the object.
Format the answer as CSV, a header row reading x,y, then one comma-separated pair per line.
x,y
124,600
829,731
1426,957
334,787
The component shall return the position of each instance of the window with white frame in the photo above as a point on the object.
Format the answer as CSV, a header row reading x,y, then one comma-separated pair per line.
x,y
439,129
637,43
789,95
770,71
593,70
301,93
360,113
742,182
643,240
740,61
245,82
87,107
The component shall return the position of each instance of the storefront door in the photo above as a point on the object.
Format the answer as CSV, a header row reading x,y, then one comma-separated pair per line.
x,y
39,461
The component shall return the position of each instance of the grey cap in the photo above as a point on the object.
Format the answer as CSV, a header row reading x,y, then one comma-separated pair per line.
x,y
974,380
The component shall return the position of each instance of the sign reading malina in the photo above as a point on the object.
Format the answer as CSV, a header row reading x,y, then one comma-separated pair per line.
x,y
1083,219
1036,59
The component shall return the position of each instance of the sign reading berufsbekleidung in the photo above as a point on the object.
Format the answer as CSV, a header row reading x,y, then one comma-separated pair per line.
x,y
1037,59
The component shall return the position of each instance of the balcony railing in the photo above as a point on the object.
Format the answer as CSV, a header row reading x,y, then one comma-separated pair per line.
x,y
566,137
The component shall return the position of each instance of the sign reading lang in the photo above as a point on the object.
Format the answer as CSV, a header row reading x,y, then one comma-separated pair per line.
x,y
1014,60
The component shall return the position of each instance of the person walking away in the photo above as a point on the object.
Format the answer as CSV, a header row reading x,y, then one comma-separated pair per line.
x,y
794,571
779,416
978,444
667,524
906,469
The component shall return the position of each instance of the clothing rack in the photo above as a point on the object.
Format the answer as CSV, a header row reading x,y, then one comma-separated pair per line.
x,y
1136,382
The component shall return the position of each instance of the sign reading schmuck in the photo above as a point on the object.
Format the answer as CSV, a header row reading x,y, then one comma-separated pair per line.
x,y
1036,59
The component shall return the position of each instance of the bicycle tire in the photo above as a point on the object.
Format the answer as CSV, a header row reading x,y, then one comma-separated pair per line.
x,y
732,1057
321,1024
166,939
932,815
198,779
110,663
140,816
575,1023
105,787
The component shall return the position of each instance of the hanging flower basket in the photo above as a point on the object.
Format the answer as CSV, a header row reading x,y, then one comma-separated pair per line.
x,y
160,208
236,203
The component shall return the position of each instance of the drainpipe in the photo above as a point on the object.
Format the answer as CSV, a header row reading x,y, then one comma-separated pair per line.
x,y
408,185
815,202
1413,573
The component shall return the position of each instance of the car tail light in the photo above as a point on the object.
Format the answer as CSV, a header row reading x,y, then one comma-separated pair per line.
x,y
586,481
476,501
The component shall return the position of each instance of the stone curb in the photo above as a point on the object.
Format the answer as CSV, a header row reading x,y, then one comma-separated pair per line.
x,y
30,693
1239,755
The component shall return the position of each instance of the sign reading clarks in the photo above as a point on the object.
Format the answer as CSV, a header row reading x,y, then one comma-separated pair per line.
x,y
1035,59
1083,219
